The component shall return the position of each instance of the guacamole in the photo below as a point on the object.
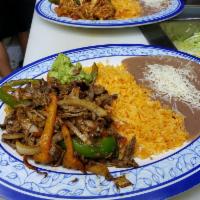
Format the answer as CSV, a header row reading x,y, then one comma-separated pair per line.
x,y
66,72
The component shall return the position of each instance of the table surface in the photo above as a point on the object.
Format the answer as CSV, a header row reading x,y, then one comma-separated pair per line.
x,y
47,38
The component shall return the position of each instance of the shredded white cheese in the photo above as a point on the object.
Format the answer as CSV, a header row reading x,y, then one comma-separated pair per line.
x,y
174,83
153,3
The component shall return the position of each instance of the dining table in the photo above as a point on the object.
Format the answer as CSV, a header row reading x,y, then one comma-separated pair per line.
x,y
47,38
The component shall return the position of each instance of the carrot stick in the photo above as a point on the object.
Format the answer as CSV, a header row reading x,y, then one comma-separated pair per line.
x,y
45,140
69,160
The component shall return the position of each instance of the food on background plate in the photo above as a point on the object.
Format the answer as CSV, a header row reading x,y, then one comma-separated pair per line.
x,y
185,35
190,45
107,9
126,9
95,9
88,119
98,9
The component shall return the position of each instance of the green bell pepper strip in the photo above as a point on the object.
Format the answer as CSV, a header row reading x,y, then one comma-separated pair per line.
x,y
20,82
9,86
8,98
105,147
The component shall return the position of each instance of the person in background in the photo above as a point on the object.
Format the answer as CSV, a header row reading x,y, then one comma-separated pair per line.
x,y
15,20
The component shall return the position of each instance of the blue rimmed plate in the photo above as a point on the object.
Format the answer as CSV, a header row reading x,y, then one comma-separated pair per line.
x,y
162,177
46,11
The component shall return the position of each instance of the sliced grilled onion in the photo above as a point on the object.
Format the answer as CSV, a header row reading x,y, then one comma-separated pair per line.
x,y
76,131
122,182
33,129
83,103
27,125
99,169
23,149
10,136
